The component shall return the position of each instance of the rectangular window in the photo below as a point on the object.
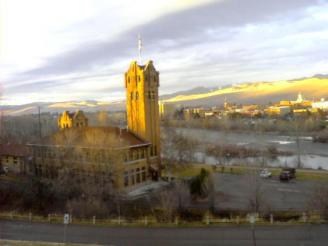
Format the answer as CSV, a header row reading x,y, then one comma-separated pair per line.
x,y
126,179
138,177
130,155
143,174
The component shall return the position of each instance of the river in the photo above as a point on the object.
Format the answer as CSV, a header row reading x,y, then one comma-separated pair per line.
x,y
313,155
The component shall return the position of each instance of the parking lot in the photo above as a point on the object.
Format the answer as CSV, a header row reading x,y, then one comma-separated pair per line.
x,y
235,191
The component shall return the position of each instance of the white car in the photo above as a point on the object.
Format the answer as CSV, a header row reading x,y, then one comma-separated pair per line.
x,y
4,170
265,173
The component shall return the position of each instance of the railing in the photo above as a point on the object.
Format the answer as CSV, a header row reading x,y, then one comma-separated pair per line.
x,y
207,220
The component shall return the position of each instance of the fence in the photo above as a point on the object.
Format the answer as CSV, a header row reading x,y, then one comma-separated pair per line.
x,y
207,220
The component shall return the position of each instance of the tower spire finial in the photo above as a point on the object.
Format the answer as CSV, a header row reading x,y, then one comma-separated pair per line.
x,y
139,47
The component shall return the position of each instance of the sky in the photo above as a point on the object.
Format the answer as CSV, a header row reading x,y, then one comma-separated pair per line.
x,y
67,50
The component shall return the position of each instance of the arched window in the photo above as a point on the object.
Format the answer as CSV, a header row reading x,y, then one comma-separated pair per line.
x,y
137,95
131,95
132,177
126,179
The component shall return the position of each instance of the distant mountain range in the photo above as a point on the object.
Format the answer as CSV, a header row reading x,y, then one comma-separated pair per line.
x,y
57,107
315,87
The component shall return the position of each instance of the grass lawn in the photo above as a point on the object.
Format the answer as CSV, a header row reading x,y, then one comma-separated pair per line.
x,y
194,169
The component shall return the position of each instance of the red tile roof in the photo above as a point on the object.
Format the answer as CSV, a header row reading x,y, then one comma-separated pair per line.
x,y
95,137
13,150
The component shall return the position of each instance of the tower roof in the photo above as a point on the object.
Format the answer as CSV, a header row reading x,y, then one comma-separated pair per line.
x,y
148,65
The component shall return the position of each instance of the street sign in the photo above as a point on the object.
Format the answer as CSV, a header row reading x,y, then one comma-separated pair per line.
x,y
252,218
66,219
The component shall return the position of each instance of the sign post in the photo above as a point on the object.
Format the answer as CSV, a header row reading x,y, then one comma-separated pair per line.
x,y
66,222
252,220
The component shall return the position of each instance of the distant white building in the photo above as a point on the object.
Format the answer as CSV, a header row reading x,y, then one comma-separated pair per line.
x,y
323,105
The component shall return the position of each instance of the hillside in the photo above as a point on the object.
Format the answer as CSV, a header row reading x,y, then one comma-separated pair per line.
x,y
260,92
55,107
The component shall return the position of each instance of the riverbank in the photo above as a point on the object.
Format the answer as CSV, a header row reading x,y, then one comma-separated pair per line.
x,y
192,170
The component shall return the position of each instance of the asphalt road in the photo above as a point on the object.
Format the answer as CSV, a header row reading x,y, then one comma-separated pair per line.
x,y
238,235
234,192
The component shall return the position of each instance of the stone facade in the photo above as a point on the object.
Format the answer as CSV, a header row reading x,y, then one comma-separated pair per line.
x,y
141,83
107,154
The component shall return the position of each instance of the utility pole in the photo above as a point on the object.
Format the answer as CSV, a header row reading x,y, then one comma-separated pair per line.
x,y
252,220
1,125
39,116
298,146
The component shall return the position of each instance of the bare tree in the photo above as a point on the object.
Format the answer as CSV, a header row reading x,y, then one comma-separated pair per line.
x,y
318,201
87,166
255,191
177,148
168,204
103,118
182,191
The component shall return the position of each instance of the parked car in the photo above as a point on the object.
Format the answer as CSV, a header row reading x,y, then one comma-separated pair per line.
x,y
265,173
4,170
292,171
285,176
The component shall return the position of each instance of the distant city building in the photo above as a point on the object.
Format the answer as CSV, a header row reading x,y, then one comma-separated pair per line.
x,y
198,112
278,110
322,105
300,102
69,120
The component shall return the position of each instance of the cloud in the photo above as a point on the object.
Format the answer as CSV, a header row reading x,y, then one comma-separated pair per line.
x,y
218,42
